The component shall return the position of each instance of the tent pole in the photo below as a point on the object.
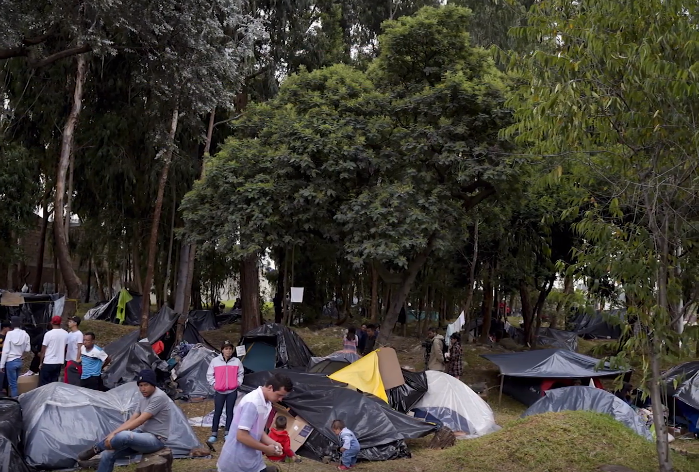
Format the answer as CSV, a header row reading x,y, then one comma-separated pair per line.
x,y
500,393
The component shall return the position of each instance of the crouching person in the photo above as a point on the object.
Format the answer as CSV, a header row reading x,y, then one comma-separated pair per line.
x,y
145,432
350,445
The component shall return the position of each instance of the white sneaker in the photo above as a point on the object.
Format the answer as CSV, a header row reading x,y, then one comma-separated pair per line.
x,y
28,373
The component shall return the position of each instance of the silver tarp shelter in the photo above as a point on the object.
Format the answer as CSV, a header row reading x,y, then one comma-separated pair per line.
x,y
192,372
589,399
526,375
61,420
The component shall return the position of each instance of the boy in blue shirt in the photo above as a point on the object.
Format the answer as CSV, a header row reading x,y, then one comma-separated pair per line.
x,y
350,445
94,359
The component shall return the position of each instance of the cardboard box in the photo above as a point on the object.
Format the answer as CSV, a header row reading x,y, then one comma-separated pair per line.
x,y
26,383
390,368
297,428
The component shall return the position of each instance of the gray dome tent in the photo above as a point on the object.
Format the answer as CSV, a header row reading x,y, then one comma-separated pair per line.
x,y
61,420
589,399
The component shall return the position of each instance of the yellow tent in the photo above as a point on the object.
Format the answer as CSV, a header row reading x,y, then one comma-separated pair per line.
x,y
364,375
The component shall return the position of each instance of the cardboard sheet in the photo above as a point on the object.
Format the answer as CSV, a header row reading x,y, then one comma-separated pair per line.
x,y
297,428
390,368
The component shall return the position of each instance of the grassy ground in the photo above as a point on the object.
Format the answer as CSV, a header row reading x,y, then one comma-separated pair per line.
x,y
569,441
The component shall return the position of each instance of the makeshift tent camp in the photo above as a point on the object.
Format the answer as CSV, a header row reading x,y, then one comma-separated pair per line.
x,y
455,405
332,362
229,317
526,376
548,337
374,373
129,356
192,372
600,325
11,458
203,320
687,396
33,309
273,345
123,308
317,399
61,420
589,399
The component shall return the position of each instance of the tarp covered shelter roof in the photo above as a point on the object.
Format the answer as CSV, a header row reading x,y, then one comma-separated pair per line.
x,y
34,309
192,372
129,356
548,337
203,320
688,392
549,363
291,351
126,300
456,405
599,325
11,457
403,397
317,399
364,375
61,420
677,375
589,399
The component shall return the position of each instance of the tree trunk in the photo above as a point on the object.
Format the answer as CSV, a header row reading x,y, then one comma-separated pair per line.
x,y
36,284
564,303
168,270
98,281
407,280
250,293
182,270
657,406
89,275
65,262
69,196
526,304
472,274
375,294
148,282
137,269
536,322
487,304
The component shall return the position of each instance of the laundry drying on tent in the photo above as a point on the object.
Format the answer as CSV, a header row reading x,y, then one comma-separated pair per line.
x,y
332,362
317,399
11,451
526,376
203,320
123,308
581,398
61,420
547,337
272,346
374,373
599,325
451,403
130,355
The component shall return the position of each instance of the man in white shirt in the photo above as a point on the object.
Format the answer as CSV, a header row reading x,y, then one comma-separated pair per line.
x,y
74,341
15,345
53,353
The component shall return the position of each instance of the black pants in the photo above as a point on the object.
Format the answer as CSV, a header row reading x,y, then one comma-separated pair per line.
x,y
93,383
229,399
49,373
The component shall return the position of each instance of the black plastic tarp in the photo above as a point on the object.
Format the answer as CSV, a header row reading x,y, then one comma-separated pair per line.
x,y
37,309
674,377
338,358
108,311
11,459
192,372
548,337
203,320
317,399
228,317
589,399
61,420
599,325
688,392
129,356
292,351
550,363
403,397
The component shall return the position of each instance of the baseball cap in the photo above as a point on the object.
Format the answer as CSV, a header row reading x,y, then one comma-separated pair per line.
x,y
226,344
56,320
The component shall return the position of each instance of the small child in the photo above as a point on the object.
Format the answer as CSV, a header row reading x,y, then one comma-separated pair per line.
x,y
279,434
350,445
350,340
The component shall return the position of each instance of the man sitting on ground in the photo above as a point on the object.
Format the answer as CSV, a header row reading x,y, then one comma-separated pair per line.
x,y
145,432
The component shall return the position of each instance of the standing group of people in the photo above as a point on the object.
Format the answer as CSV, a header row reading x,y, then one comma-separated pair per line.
x,y
443,357
361,341
71,351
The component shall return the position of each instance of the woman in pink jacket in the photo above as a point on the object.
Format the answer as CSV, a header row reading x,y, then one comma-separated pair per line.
x,y
225,374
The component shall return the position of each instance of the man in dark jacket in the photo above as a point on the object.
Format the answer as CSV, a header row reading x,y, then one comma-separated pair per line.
x,y
371,339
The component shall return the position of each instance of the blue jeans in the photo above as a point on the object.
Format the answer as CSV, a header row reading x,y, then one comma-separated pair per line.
x,y
126,444
12,369
349,457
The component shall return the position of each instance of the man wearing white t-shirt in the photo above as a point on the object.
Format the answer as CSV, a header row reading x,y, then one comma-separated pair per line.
x,y
53,353
74,341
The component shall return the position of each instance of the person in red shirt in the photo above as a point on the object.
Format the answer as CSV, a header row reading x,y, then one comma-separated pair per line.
x,y
279,434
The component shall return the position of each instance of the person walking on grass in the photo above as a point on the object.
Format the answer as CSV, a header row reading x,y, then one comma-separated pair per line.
x,y
145,432
454,356
225,374
350,446
14,346
243,451
53,353
436,359
94,360
74,342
